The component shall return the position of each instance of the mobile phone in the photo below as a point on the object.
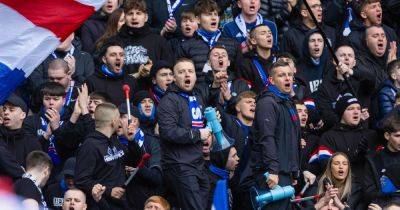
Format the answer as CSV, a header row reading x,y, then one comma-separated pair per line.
x,y
327,181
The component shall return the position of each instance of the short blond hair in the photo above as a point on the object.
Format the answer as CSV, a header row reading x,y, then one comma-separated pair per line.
x,y
104,114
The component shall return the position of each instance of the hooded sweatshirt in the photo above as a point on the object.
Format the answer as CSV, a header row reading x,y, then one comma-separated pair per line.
x,y
354,141
140,45
386,98
293,38
312,70
18,144
102,160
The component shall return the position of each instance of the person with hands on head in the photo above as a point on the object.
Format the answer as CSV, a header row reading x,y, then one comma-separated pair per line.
x,y
182,136
275,138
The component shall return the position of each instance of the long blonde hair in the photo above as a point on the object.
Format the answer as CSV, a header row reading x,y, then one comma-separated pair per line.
x,y
344,189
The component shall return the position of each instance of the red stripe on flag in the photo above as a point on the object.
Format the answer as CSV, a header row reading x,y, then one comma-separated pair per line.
x,y
62,17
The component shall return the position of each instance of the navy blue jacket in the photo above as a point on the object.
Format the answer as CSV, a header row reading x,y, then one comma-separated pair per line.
x,y
386,98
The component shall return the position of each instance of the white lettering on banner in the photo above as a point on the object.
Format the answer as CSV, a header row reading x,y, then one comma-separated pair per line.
x,y
136,55
57,202
113,154
314,85
196,113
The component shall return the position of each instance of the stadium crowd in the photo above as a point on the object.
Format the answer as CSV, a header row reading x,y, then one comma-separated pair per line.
x,y
305,90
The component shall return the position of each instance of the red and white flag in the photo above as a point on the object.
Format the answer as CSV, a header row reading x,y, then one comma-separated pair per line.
x,y
31,29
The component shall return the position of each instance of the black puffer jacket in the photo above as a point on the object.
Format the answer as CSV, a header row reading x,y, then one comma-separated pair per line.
x,y
18,144
180,143
197,50
92,30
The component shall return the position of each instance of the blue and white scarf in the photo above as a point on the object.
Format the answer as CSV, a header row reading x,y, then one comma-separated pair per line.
x,y
158,93
221,198
51,150
68,98
195,111
261,72
70,52
241,24
210,38
173,8
110,73
346,24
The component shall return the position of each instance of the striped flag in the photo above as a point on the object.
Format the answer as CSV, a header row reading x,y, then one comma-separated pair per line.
x,y
30,30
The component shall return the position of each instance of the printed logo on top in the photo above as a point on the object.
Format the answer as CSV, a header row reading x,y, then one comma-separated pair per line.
x,y
136,55
113,154
57,202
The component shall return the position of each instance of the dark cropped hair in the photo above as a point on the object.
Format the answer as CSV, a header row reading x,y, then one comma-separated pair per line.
x,y
53,89
135,4
392,123
205,6
97,95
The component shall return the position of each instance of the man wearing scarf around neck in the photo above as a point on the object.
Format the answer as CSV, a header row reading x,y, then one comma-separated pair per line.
x,y
245,21
110,77
275,138
182,136
161,76
147,110
207,36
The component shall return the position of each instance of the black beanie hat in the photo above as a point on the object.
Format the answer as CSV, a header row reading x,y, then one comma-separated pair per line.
x,y
139,96
343,102
220,158
159,65
393,173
